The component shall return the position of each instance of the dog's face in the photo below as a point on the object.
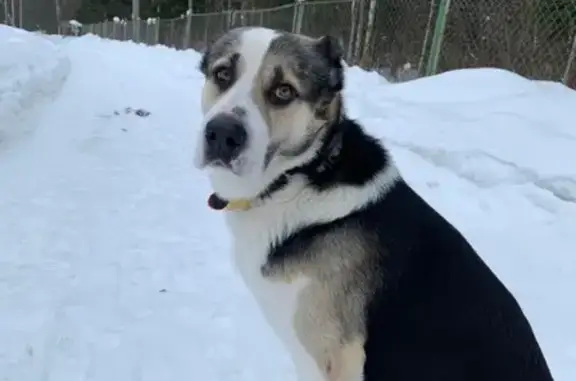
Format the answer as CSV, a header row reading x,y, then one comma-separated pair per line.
x,y
266,98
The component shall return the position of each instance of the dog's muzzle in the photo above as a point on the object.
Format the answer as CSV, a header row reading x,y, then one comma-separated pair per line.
x,y
225,138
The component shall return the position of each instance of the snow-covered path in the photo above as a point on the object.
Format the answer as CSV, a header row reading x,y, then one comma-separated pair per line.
x,y
112,268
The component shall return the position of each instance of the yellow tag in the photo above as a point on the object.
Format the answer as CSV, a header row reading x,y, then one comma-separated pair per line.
x,y
238,205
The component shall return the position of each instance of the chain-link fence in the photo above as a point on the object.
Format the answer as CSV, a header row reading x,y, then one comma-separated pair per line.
x,y
534,38
37,15
401,39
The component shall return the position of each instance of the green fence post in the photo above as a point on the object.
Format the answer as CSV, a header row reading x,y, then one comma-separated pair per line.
x,y
434,56
571,58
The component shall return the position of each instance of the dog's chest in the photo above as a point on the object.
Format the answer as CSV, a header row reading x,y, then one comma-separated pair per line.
x,y
278,301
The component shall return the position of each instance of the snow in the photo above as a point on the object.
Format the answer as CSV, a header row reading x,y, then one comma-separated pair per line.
x,y
112,268
32,69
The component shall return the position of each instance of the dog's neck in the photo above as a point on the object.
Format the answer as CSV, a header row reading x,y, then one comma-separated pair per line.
x,y
347,156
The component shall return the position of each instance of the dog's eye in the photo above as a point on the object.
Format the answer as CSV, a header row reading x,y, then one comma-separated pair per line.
x,y
282,94
223,77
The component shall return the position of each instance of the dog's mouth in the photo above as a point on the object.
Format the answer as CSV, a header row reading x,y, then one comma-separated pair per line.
x,y
218,163
231,166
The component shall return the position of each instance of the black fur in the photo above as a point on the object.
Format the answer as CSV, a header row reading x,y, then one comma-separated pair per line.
x,y
439,313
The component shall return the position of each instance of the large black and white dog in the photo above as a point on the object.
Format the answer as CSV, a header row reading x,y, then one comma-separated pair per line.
x,y
357,275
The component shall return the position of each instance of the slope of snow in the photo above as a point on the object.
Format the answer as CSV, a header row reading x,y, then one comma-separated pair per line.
x,y
113,269
32,68
491,109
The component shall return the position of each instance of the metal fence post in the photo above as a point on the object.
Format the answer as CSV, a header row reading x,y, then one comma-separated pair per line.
x,y
228,18
359,30
115,22
426,37
300,5
136,20
157,31
21,15
571,57
6,13
294,16
188,30
443,9
368,34
350,49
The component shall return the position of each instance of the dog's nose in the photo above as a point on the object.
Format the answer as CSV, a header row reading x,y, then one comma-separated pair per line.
x,y
225,137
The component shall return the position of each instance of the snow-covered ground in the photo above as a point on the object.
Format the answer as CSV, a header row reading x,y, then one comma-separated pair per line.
x,y
113,269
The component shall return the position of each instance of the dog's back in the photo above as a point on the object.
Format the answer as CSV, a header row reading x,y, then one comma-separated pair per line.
x,y
440,313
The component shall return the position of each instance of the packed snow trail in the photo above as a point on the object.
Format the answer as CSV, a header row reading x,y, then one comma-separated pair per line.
x,y
112,268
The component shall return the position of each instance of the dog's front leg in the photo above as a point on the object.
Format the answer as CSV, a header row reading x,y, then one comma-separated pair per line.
x,y
338,356
345,362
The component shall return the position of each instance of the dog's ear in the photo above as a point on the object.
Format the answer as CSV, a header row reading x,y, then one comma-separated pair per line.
x,y
329,48
331,51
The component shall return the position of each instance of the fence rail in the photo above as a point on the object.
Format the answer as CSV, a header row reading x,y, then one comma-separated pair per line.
x,y
401,39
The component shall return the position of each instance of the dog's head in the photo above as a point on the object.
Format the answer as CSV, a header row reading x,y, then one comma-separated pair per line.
x,y
266,99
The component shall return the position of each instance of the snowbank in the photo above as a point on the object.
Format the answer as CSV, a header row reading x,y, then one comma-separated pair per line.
x,y
490,126
32,68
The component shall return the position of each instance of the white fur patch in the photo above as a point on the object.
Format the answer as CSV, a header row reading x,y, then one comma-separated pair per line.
x,y
289,209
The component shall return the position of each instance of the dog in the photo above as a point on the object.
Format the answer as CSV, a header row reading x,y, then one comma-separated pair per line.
x,y
357,275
